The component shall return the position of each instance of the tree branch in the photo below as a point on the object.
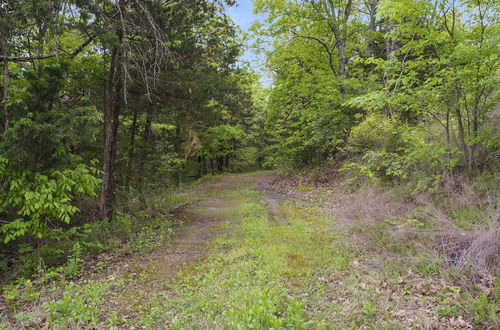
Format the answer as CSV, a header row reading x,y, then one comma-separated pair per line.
x,y
82,47
25,58
322,43
44,57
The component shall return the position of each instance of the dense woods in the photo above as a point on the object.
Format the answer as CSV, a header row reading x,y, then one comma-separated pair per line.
x,y
103,98
107,104
407,84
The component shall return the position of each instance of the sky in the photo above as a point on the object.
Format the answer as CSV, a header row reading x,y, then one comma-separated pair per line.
x,y
242,15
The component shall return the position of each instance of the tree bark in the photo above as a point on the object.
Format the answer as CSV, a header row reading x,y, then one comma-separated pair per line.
x,y
131,151
341,45
342,64
461,135
390,44
5,94
371,6
146,138
114,95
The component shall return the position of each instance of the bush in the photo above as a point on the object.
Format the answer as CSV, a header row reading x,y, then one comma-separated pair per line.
x,y
391,150
34,200
370,134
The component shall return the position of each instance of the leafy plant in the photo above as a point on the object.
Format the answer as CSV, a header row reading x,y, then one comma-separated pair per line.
x,y
369,310
73,267
20,292
269,312
35,200
483,309
79,305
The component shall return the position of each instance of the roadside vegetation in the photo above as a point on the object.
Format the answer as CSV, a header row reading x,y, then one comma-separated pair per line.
x,y
371,195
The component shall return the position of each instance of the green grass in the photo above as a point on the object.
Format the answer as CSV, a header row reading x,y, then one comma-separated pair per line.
x,y
255,272
298,270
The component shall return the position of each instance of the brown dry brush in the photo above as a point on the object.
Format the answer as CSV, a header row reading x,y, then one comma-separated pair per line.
x,y
474,252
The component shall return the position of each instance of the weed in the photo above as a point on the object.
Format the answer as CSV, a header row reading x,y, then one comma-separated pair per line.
x,y
73,267
483,310
79,305
426,265
99,267
448,304
369,310
267,312
20,293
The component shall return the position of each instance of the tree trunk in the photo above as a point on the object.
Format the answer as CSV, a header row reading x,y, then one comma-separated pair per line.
x,y
372,26
5,94
131,151
448,136
146,138
342,45
114,94
461,135
342,64
111,123
390,44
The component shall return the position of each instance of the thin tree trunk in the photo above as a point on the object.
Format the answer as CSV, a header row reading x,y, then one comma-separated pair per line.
x,y
461,135
146,138
342,45
448,137
131,151
448,142
342,64
111,122
390,44
372,27
5,94
114,95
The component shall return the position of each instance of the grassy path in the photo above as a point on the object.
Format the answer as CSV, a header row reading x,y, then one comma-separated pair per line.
x,y
247,259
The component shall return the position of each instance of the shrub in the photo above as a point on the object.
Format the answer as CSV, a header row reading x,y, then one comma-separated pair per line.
x,y
35,200
370,134
393,151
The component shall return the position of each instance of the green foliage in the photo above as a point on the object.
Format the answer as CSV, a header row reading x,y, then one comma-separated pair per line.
x,y
427,79
448,304
373,133
21,292
268,312
58,96
79,305
393,151
36,200
246,159
73,267
369,310
220,141
483,309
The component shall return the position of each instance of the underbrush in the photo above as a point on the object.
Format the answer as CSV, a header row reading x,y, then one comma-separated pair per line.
x,y
450,231
48,294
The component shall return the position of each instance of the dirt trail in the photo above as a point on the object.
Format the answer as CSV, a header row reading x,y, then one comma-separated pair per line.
x,y
154,273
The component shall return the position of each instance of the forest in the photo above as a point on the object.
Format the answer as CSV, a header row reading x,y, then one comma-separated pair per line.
x,y
152,176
